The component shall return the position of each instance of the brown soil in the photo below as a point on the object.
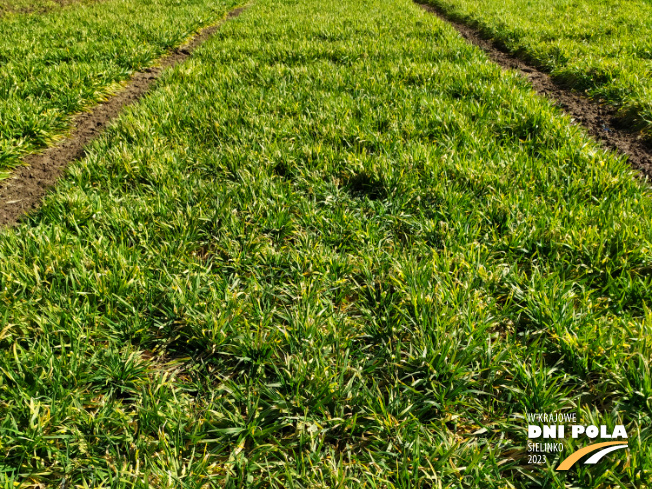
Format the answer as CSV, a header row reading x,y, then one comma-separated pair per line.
x,y
599,120
8,8
24,190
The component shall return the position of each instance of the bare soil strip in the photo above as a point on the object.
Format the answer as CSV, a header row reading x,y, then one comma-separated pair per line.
x,y
23,191
599,120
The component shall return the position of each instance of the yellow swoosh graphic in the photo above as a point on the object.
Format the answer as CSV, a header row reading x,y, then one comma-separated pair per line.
x,y
574,457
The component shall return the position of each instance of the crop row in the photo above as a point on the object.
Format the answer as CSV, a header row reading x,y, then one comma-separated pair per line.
x,y
8,7
62,62
337,247
600,47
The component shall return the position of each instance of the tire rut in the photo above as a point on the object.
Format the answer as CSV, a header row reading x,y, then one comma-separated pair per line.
x,y
23,191
600,121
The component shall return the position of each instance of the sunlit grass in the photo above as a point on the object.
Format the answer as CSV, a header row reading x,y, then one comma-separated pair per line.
x,y
336,248
33,6
57,64
601,47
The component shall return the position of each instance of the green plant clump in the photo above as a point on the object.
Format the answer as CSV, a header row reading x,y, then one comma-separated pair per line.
x,y
60,63
600,47
8,7
337,247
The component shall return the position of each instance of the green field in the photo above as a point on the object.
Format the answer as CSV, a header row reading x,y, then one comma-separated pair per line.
x,y
33,6
600,47
337,247
60,63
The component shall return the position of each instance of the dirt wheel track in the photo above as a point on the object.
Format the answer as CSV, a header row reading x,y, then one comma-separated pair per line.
x,y
26,187
600,121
